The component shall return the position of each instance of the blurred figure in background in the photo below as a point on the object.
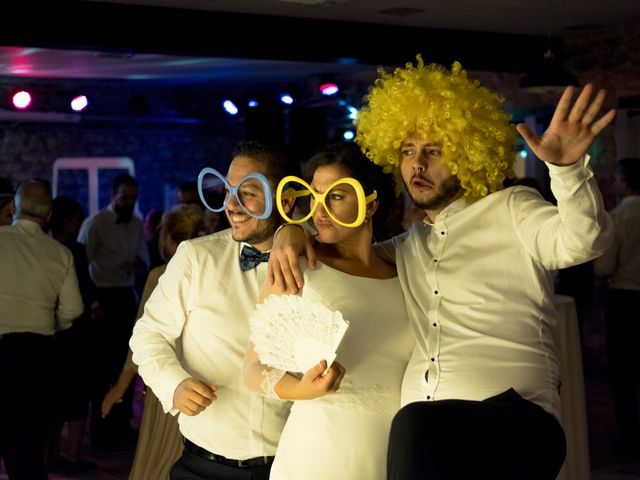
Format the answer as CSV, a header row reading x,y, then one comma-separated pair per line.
x,y
117,253
39,296
74,346
160,441
152,235
621,263
6,197
187,192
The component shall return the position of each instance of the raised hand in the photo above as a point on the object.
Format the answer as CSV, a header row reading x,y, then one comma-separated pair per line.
x,y
572,128
193,396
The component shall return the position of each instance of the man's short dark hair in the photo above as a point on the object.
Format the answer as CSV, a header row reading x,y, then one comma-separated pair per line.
x,y
278,165
123,179
629,170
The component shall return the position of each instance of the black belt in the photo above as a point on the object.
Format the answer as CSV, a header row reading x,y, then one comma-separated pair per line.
x,y
214,457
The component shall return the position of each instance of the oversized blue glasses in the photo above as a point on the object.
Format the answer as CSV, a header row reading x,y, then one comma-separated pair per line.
x,y
252,192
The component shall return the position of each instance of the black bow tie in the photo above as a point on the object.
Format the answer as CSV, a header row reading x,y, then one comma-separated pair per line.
x,y
251,258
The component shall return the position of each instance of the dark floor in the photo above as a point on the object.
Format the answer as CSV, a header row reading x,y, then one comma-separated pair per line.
x,y
605,464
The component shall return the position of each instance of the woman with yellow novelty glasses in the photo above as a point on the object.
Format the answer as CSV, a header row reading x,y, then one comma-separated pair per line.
x,y
339,424
338,200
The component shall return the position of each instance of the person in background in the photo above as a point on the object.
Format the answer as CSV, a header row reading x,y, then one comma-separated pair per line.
x,y
189,344
6,197
39,296
117,253
160,442
74,347
152,236
621,264
187,192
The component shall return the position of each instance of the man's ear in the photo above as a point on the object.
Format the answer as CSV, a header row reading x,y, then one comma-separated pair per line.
x,y
288,202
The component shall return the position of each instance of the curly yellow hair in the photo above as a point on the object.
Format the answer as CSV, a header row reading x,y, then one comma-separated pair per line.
x,y
442,106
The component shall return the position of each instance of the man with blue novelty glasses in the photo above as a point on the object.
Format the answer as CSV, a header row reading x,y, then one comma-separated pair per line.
x,y
190,343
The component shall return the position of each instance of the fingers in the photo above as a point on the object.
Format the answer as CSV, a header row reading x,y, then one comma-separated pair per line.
x,y
192,396
594,108
339,372
316,371
295,280
563,107
529,136
205,391
276,278
311,258
606,119
582,103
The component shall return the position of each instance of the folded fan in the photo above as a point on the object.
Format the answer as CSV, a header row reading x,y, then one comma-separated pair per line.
x,y
292,333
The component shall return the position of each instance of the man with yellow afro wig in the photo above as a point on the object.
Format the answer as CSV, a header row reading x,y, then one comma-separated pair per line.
x,y
480,394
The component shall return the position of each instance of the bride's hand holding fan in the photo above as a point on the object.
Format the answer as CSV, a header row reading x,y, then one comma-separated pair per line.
x,y
318,381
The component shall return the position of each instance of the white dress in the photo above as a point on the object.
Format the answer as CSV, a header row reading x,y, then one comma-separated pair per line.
x,y
344,435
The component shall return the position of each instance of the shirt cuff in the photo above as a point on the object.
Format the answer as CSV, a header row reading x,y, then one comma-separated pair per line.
x,y
570,177
171,379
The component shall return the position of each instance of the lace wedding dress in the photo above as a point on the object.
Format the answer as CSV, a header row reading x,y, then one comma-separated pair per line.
x,y
344,435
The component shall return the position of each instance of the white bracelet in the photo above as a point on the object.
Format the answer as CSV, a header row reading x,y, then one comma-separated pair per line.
x,y
286,225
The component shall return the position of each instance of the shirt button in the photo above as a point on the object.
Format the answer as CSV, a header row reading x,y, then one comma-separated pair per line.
x,y
435,260
442,233
435,291
433,359
435,324
428,397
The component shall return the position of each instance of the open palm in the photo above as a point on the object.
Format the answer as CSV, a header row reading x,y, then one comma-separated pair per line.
x,y
572,129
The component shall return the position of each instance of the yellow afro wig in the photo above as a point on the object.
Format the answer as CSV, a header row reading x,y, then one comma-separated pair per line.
x,y
442,106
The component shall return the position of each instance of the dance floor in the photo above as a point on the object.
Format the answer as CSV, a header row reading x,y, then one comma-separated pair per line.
x,y
605,463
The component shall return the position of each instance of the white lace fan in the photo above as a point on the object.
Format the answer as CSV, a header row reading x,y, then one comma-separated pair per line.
x,y
294,334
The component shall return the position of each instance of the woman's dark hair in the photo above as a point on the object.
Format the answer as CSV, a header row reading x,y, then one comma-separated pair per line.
x,y
349,156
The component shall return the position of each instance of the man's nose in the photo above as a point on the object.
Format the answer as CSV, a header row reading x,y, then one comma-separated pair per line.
x,y
420,163
233,201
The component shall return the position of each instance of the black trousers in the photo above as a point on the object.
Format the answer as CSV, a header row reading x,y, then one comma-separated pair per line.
x,y
27,367
112,333
193,467
503,437
622,329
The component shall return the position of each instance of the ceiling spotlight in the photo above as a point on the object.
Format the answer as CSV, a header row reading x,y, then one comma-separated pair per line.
x,y
348,135
253,103
286,99
79,103
230,107
328,85
21,100
329,89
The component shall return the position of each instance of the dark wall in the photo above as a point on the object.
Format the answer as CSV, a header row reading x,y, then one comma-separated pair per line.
x,y
163,157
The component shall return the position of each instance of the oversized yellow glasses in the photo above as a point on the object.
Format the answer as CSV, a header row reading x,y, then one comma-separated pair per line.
x,y
344,201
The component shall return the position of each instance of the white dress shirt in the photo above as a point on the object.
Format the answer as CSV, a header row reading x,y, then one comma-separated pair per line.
x,y
622,260
202,306
479,286
38,285
110,246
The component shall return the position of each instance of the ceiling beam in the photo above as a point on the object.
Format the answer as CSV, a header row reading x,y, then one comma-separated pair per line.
x,y
91,25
